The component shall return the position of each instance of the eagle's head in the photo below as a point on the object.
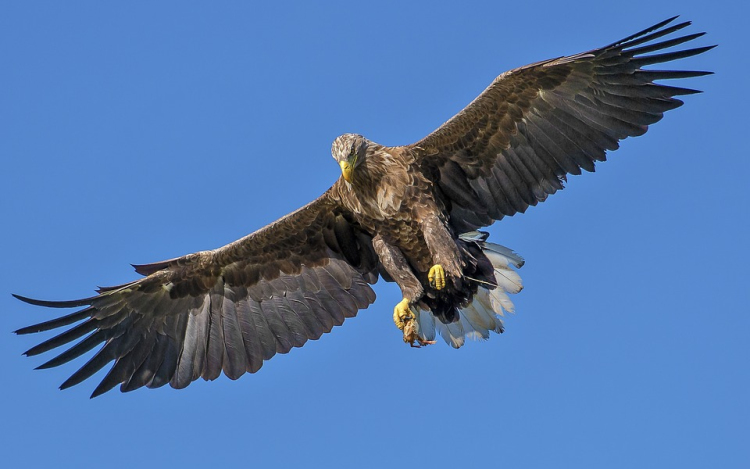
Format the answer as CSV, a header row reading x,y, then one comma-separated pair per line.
x,y
349,151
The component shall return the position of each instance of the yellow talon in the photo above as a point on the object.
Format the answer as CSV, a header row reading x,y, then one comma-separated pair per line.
x,y
407,322
437,277
402,314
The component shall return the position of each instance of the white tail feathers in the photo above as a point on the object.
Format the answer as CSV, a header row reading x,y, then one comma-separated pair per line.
x,y
500,252
482,315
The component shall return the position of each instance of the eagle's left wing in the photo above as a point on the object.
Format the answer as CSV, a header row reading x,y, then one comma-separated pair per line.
x,y
515,143
228,309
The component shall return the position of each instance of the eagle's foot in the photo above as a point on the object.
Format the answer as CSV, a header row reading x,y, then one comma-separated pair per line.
x,y
436,276
402,314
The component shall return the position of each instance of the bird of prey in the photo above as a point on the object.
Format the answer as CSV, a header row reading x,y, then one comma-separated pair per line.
x,y
407,214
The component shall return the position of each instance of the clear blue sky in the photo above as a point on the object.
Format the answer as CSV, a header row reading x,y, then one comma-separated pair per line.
x,y
136,132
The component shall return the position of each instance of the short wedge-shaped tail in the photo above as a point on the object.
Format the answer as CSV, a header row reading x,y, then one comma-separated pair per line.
x,y
491,301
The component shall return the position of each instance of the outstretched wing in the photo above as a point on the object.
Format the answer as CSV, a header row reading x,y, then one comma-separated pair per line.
x,y
516,142
228,309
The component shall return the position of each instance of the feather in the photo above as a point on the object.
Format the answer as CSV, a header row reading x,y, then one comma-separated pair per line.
x,y
250,338
426,324
235,357
284,341
94,339
144,376
163,373
503,255
508,280
479,317
452,333
215,345
190,364
299,305
500,301
262,329
63,338
297,332
643,36
346,303
472,324
489,316
136,359
58,322
96,363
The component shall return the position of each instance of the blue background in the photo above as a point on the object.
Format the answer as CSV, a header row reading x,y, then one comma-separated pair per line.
x,y
132,132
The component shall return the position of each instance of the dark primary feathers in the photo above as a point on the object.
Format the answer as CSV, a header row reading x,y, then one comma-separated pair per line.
x,y
515,143
232,308
228,309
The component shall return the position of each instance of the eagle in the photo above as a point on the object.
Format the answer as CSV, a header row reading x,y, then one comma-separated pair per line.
x,y
407,214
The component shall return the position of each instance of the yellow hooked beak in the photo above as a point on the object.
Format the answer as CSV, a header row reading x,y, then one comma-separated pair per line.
x,y
346,171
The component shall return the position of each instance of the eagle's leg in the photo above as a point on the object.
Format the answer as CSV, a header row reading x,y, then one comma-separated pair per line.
x,y
445,253
411,289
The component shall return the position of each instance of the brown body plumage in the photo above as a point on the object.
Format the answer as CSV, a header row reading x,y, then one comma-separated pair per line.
x,y
407,214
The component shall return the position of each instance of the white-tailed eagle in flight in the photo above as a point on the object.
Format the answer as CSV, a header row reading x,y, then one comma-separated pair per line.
x,y
409,214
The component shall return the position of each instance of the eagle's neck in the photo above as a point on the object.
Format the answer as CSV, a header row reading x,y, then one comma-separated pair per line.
x,y
380,182
379,163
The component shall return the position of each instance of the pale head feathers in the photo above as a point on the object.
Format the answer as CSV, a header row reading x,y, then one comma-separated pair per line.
x,y
346,146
